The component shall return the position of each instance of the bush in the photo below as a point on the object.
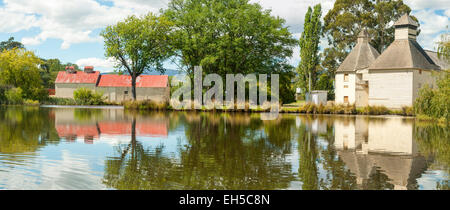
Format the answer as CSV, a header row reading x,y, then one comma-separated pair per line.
x,y
14,96
435,103
84,96
30,102
407,111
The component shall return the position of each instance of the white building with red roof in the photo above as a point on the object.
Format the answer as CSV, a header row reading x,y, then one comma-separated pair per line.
x,y
115,88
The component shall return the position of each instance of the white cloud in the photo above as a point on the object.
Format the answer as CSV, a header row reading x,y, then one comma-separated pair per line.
x,y
432,25
71,21
293,11
107,64
427,4
74,21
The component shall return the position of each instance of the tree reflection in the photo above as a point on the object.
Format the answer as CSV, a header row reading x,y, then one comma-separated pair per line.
x,y
434,143
222,153
308,152
25,129
338,176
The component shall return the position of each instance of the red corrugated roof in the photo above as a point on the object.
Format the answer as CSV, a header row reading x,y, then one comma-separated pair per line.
x,y
141,81
67,130
151,129
79,77
152,81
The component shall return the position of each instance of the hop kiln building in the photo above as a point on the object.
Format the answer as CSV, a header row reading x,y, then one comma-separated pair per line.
x,y
392,79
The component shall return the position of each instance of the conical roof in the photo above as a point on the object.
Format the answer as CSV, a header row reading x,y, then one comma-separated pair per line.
x,y
406,20
362,55
404,54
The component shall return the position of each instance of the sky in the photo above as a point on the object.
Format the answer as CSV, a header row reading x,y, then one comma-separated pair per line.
x,y
70,30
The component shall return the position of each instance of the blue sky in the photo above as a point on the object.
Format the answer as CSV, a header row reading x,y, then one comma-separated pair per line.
x,y
69,29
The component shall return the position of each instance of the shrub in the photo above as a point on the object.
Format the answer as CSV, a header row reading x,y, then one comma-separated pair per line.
x,y
30,102
14,96
407,111
435,102
84,96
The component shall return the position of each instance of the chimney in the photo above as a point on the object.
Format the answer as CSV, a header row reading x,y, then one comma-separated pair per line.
x,y
88,69
406,28
71,70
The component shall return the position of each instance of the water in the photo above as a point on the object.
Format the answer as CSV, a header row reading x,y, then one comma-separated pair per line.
x,y
69,148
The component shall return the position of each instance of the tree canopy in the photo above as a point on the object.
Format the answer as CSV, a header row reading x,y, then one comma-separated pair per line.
x,y
20,68
139,44
348,17
10,44
228,36
309,48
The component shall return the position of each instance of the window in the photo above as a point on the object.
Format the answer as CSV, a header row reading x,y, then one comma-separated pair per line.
x,y
420,71
345,99
126,92
345,86
345,77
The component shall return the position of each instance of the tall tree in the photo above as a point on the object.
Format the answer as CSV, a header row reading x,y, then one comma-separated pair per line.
x,y
444,47
10,44
309,48
229,36
348,17
139,44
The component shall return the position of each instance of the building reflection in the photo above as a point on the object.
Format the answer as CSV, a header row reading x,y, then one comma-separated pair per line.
x,y
376,149
90,125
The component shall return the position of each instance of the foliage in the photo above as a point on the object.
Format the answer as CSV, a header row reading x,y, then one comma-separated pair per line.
x,y
49,70
444,47
309,48
347,18
228,37
3,90
139,44
10,44
19,68
30,102
59,101
325,82
435,103
25,129
84,96
14,96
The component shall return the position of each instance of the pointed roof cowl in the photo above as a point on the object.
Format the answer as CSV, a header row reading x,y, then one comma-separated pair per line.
x,y
362,55
406,20
404,53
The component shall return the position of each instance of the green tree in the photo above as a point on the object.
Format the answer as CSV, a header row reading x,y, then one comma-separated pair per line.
x,y
228,37
19,68
139,44
348,17
10,44
444,47
49,69
309,48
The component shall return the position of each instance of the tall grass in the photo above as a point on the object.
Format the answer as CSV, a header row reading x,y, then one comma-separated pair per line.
x,y
309,108
145,105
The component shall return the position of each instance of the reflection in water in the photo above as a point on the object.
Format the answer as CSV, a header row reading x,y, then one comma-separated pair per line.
x,y
381,152
43,148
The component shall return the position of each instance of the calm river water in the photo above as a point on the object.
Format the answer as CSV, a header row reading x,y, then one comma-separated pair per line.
x,y
66,148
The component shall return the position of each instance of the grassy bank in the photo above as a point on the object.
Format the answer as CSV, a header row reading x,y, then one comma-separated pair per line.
x,y
304,108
